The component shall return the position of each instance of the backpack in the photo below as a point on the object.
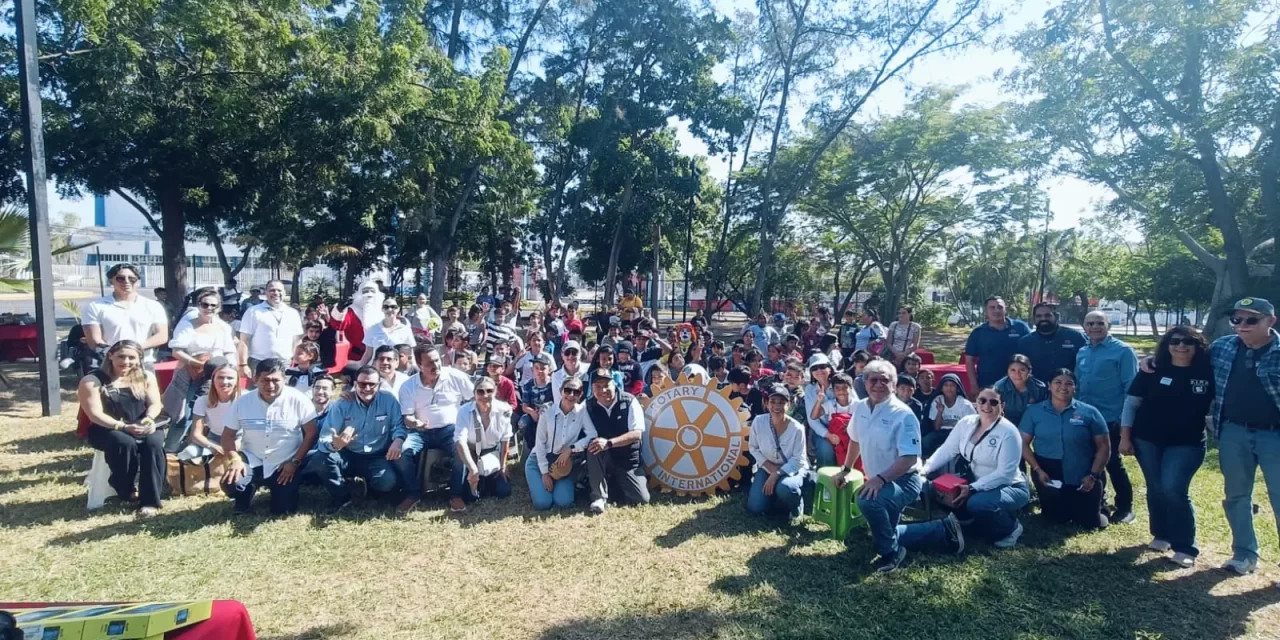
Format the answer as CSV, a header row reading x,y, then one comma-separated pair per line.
x,y
200,476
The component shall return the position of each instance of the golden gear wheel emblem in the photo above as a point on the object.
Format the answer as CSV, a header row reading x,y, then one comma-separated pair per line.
x,y
695,438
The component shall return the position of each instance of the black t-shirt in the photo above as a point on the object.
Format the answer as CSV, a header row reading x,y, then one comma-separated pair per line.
x,y
1175,401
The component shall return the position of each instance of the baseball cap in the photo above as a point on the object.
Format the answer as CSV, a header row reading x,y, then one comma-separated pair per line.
x,y
615,321
643,333
779,316
543,358
778,390
819,360
501,361
571,345
624,347
1260,306
601,374
572,382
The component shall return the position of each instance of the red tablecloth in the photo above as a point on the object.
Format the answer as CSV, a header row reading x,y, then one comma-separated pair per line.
x,y
164,373
18,341
940,370
926,357
341,355
229,621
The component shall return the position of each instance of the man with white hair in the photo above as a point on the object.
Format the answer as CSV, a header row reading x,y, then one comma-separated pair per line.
x,y
886,434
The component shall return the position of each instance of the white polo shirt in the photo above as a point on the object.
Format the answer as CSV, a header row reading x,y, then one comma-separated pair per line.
x,y
123,320
380,336
217,343
437,405
272,433
884,433
271,331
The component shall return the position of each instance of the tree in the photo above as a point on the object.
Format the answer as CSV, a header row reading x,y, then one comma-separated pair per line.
x,y
895,186
1174,106
15,249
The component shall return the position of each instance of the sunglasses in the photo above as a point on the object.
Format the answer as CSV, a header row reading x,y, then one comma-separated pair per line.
x,y
128,279
1239,320
1182,342
367,385
877,380
571,392
209,305
484,392
390,307
995,402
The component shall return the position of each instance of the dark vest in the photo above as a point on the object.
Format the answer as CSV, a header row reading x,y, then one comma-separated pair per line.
x,y
611,424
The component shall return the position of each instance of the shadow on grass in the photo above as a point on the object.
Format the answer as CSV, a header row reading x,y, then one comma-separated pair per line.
x,y
48,443
319,632
729,518
215,511
690,623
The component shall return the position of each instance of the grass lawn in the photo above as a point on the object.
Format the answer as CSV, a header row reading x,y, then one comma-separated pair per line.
x,y
680,568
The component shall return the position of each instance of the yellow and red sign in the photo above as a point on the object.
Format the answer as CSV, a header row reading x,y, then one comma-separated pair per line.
x,y
694,439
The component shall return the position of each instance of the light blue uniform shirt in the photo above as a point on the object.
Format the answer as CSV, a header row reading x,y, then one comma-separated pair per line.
x,y
376,424
1066,436
1103,374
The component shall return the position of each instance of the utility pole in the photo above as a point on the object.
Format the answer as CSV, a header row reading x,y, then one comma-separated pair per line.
x,y
657,271
38,205
688,240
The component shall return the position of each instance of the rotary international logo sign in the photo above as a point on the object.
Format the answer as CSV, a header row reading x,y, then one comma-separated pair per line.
x,y
695,437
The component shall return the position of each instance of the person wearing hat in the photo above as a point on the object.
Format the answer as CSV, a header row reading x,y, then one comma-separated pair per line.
x,y
614,335
781,458
626,365
615,424
648,347
571,357
1105,369
481,442
535,395
1246,420
495,369
816,394
559,446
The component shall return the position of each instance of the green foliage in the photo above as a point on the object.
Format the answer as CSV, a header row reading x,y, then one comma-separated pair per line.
x,y
932,316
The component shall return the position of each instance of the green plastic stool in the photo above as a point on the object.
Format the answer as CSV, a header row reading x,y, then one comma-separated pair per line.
x,y
836,507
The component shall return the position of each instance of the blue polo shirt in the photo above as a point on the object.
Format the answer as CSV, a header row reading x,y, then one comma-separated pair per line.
x,y
994,347
1066,436
1050,353
1104,372
376,424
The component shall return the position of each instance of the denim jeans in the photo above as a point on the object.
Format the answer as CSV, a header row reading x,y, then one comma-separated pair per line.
x,y
1168,470
284,497
823,450
885,510
494,485
561,494
1118,475
994,513
376,470
414,445
1240,452
788,494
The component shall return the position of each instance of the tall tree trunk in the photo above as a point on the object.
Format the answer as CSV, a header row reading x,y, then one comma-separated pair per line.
x,y
173,241
455,31
229,273
611,272
444,253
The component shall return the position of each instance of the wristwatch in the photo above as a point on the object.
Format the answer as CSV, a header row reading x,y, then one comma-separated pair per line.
x,y
1098,475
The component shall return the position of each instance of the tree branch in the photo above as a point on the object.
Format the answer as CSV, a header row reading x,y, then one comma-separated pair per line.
x,y
1152,92
155,226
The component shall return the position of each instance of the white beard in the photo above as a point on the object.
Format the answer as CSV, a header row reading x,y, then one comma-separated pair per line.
x,y
367,304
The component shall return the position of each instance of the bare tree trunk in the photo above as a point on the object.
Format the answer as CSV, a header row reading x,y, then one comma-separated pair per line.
x,y
173,241
611,272
444,253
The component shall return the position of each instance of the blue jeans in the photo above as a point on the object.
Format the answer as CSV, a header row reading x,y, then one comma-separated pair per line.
x,y
376,470
1168,470
561,493
884,512
994,513
788,494
494,485
415,444
1240,453
824,451
284,497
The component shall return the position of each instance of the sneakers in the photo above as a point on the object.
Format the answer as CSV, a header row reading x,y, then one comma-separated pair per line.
x,y
886,564
1008,541
954,534
1240,566
1122,517
1183,560
1159,545
597,507
457,505
148,512
406,505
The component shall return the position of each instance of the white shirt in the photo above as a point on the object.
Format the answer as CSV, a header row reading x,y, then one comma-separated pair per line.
x,y
994,459
470,426
219,342
524,367
832,407
867,334
272,433
436,405
122,320
791,457
557,430
271,331
562,374
215,418
951,415
380,336
884,433
398,379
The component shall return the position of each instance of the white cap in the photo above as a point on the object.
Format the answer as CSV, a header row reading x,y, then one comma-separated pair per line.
x,y
819,360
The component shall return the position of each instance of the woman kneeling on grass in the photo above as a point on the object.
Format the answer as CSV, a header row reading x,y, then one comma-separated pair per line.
x,y
212,413
554,465
481,439
782,463
986,449
1067,445
122,402
1163,425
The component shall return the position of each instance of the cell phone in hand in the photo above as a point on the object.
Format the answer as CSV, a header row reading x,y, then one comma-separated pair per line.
x,y
1056,484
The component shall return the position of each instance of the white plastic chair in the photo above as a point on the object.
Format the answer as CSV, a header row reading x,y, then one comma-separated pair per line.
x,y
98,481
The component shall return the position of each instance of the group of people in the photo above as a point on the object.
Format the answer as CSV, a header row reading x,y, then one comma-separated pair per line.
x,y
1054,410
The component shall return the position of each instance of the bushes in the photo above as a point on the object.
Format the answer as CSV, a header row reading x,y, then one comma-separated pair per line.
x,y
932,316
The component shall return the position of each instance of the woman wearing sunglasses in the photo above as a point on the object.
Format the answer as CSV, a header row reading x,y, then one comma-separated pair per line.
x,y
1067,444
557,456
203,332
125,315
1163,426
390,332
482,438
985,450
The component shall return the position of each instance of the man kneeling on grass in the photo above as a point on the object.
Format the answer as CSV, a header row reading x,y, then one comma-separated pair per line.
x,y
278,424
359,433
886,434
615,424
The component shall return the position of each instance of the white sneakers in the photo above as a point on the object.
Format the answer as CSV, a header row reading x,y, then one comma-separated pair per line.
x,y
1183,560
1241,567
1008,541
1159,545
596,507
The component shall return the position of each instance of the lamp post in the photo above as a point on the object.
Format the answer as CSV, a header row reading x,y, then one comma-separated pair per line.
x,y
694,174
37,204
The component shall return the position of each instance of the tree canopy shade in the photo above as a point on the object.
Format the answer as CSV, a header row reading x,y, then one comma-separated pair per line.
x,y
1174,106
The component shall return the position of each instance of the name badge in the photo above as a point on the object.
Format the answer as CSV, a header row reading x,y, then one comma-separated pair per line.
x,y
1166,381
1068,346
380,419
1076,422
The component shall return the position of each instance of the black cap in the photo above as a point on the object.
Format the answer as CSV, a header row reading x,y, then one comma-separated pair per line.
x,y
625,347
601,374
778,390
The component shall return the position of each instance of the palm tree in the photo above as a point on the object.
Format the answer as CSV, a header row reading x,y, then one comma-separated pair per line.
x,y
15,249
